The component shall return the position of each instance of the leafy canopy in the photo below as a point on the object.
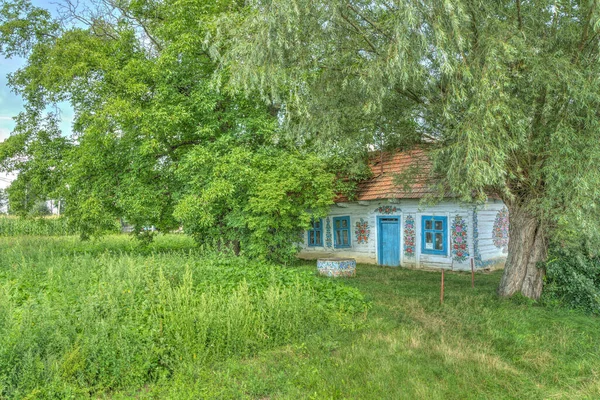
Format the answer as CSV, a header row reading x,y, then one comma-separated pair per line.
x,y
155,141
505,93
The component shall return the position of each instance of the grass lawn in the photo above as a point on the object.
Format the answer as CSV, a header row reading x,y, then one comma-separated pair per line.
x,y
474,346
406,346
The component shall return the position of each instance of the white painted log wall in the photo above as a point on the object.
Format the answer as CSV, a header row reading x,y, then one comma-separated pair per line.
x,y
367,253
486,215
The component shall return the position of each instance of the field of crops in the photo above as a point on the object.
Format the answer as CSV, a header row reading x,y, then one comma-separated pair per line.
x,y
44,226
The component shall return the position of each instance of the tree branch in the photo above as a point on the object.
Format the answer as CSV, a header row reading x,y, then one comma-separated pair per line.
x,y
586,28
360,31
519,19
369,21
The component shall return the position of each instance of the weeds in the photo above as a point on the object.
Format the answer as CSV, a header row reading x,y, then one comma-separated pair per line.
x,y
79,322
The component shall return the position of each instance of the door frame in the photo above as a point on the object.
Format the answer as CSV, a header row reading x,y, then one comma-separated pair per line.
x,y
379,241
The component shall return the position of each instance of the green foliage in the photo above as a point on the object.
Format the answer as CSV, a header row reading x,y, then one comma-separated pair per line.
x,y
40,209
84,321
477,81
573,280
157,140
262,200
36,151
23,26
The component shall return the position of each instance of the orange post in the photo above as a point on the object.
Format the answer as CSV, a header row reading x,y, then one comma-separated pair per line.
x,y
442,289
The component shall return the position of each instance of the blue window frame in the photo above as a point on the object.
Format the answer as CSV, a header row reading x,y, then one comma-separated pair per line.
x,y
315,234
341,232
434,235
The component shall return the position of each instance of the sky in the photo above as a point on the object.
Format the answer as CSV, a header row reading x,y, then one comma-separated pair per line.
x,y
11,104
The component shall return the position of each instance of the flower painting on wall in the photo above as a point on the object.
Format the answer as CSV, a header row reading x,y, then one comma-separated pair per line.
x,y
386,210
409,236
460,248
328,235
362,231
500,230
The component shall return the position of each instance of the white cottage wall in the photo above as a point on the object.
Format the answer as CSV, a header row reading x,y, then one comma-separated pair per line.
x,y
489,254
481,248
363,252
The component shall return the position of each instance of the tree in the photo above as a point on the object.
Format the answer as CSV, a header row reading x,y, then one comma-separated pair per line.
x,y
154,133
3,202
505,93
254,199
35,150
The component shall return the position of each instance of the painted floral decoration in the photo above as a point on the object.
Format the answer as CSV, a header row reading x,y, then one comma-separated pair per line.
x,y
460,249
362,231
386,209
500,230
476,253
409,236
328,236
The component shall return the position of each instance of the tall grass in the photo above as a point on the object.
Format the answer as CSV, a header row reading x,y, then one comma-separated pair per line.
x,y
84,322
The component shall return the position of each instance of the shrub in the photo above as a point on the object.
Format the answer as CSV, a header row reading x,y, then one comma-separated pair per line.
x,y
573,280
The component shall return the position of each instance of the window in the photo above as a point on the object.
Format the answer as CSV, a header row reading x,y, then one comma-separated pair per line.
x,y
315,235
341,232
435,235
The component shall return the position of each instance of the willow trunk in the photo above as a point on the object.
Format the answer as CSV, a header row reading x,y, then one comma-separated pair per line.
x,y
527,247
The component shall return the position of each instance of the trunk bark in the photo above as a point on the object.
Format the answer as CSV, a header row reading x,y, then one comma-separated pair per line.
x,y
526,247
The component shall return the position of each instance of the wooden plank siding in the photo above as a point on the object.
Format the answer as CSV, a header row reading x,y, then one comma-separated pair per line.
x,y
486,214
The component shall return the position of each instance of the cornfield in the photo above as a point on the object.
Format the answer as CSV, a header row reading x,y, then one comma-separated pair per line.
x,y
49,226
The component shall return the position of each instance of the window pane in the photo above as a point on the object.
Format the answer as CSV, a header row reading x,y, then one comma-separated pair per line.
x,y
344,223
428,224
439,225
318,239
337,224
337,237
310,237
317,224
345,237
439,241
428,240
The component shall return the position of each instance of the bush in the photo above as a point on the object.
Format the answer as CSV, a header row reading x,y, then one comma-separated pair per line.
x,y
78,323
573,280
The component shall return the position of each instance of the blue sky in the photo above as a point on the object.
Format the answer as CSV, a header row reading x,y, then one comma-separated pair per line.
x,y
11,104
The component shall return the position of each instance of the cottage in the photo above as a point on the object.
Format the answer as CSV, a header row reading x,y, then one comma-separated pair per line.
x,y
388,224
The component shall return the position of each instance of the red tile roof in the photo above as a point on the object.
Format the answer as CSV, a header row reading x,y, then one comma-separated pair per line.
x,y
386,167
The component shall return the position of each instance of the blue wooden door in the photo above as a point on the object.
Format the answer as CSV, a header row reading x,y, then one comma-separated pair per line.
x,y
389,241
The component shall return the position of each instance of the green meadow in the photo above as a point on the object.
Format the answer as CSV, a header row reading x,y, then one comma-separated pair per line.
x,y
113,318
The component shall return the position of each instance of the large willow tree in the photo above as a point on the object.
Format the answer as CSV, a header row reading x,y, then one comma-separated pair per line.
x,y
506,94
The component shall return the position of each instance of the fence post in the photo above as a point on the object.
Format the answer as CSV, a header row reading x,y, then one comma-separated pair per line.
x,y
442,289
